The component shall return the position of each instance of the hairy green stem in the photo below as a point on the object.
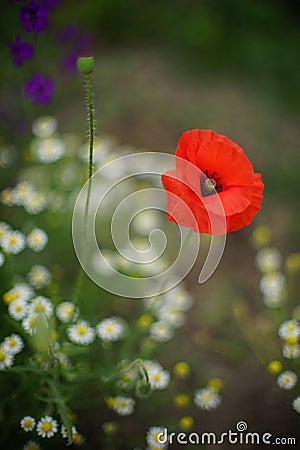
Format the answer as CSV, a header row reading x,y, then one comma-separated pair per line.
x,y
91,133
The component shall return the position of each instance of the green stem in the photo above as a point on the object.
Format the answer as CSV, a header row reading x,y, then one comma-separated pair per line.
x,y
91,132
140,362
89,96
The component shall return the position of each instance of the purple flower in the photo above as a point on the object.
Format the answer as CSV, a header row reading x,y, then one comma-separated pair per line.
x,y
69,63
34,17
40,89
77,42
20,50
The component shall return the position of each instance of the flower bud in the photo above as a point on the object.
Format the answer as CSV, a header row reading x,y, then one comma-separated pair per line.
x,y
85,65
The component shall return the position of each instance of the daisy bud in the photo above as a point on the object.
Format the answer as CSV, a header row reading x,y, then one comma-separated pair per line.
x,y
275,367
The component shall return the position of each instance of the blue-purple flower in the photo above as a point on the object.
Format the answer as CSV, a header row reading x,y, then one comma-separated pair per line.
x,y
34,17
21,51
78,43
40,89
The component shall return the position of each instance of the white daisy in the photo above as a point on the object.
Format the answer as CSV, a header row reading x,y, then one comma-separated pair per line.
x,y
111,329
287,380
158,377
48,150
272,284
291,351
171,316
268,259
64,362
6,358
161,332
207,399
103,148
46,427
66,311
153,435
41,305
29,324
37,239
4,228
179,298
64,431
44,126
13,242
7,196
23,191
289,328
13,344
39,276
81,333
27,423
21,291
273,300
35,203
31,445
124,406
17,309
296,404
2,259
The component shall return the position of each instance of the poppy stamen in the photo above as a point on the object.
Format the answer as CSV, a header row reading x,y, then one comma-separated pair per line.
x,y
210,183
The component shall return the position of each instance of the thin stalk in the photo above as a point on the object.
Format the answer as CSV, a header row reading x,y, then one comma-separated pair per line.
x,y
91,134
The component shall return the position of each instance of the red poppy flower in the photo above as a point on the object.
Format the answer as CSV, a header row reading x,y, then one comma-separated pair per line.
x,y
215,180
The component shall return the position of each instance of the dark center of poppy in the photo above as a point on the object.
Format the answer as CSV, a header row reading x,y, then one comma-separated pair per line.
x,y
210,183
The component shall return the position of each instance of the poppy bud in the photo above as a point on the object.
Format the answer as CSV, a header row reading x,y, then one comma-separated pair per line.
x,y
85,65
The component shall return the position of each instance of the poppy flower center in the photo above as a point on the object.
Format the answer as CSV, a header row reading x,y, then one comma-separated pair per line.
x,y
210,183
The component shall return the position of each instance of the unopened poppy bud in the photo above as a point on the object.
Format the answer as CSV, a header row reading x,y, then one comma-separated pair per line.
x,y
85,65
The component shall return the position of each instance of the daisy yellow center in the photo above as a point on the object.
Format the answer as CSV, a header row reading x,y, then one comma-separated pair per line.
x,y
123,403
19,308
181,400
157,435
68,310
32,321
291,340
111,402
8,298
157,377
81,329
32,447
208,396
12,240
291,326
46,427
39,308
27,423
2,356
78,438
109,328
12,342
